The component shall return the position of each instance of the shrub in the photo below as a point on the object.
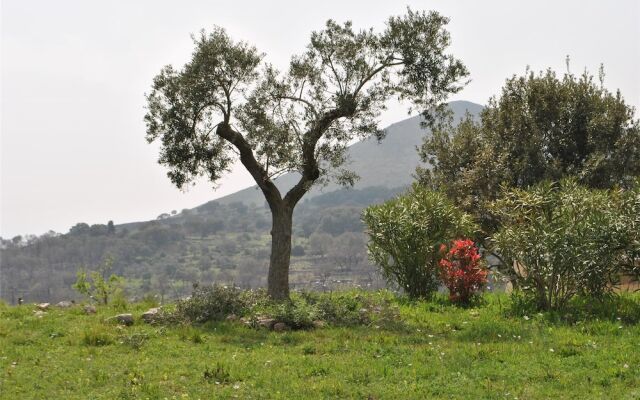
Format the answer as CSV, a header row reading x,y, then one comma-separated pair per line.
x,y
345,309
211,303
560,240
99,285
461,271
405,235
630,210
297,313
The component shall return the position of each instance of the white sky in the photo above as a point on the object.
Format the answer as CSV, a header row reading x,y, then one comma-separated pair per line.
x,y
74,74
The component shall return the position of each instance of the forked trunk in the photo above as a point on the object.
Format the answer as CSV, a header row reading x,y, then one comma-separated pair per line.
x,y
278,280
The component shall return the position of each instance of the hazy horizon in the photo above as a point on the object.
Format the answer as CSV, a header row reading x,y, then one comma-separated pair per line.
x,y
74,76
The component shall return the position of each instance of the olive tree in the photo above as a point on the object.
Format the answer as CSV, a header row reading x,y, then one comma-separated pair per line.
x,y
406,235
228,104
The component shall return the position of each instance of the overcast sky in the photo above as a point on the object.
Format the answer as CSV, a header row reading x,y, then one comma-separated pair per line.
x,y
74,74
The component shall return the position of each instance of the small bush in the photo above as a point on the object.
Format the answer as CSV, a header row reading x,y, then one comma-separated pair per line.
x,y
212,303
219,375
297,313
345,309
461,271
101,285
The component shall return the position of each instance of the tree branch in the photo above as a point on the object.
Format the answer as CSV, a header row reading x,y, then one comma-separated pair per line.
x,y
247,158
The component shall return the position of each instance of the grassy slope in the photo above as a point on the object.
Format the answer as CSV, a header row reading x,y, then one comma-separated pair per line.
x,y
441,352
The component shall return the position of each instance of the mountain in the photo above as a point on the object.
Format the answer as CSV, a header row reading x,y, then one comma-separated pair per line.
x,y
227,240
389,163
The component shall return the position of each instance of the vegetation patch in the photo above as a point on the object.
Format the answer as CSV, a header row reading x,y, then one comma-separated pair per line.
x,y
433,350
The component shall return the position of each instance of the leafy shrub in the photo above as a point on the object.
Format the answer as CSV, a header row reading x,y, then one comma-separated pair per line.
x,y
212,303
297,313
405,235
560,240
338,308
99,285
215,303
461,271
630,210
220,374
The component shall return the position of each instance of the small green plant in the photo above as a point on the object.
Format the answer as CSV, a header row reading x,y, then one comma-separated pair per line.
x,y
96,335
100,285
218,375
189,333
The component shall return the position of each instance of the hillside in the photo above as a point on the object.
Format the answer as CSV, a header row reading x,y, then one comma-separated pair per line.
x,y
227,240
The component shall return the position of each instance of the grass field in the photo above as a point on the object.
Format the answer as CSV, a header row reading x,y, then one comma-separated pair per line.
x,y
437,351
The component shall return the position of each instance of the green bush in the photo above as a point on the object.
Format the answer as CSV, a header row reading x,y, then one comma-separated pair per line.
x,y
101,285
297,313
215,303
212,303
630,209
560,240
405,235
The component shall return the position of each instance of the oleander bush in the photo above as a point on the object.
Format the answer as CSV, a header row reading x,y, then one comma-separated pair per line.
x,y
560,240
405,235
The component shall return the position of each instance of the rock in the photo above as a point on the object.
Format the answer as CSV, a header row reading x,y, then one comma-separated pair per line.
x,y
124,319
318,324
151,315
43,306
280,327
266,322
89,309
64,304
232,317
39,313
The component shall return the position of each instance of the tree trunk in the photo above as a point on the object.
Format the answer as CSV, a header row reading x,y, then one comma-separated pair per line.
x,y
278,280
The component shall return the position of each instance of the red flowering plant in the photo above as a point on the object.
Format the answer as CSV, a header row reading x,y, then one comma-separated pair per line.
x,y
461,270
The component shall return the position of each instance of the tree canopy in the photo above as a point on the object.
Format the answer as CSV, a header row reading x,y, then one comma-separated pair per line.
x,y
541,127
227,103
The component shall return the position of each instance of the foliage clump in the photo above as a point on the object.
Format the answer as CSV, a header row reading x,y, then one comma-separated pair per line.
x,y
461,270
559,240
405,235
100,285
213,303
302,311
540,127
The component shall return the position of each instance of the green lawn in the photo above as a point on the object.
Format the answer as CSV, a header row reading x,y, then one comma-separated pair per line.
x,y
438,351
